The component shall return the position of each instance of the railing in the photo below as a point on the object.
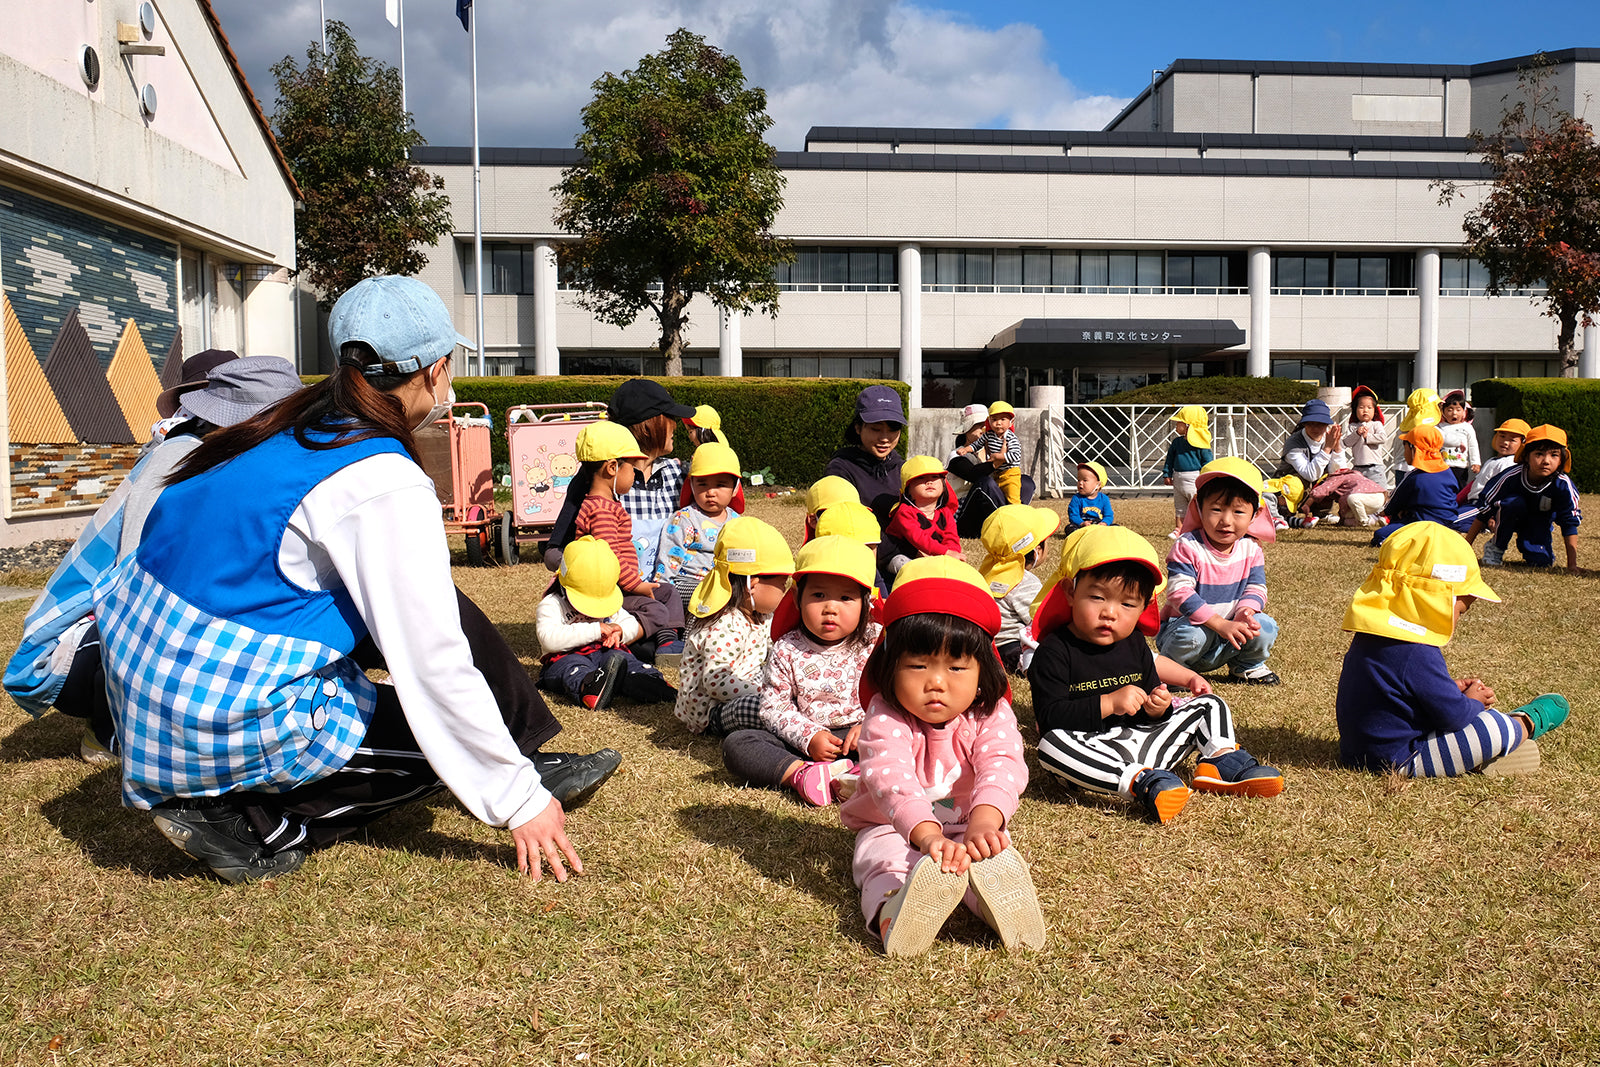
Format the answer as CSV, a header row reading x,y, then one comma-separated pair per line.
x,y
1115,290
1342,290
1131,440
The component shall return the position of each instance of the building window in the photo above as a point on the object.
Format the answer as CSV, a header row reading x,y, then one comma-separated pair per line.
x,y
1343,274
1466,276
955,383
810,366
633,364
838,270
1303,370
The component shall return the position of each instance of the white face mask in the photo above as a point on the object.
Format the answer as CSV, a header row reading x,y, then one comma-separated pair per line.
x,y
440,407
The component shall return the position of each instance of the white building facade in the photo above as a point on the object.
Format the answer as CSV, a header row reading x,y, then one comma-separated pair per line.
x,y
1244,218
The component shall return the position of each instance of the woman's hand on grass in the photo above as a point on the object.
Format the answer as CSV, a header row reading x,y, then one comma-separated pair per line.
x,y
543,838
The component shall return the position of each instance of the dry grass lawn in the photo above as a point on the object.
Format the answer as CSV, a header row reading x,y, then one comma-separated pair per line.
x,y
1353,919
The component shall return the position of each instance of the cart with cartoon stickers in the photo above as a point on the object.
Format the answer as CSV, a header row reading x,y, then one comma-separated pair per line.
x,y
542,442
455,454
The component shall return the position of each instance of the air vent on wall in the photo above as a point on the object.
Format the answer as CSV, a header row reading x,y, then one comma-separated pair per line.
x,y
89,67
147,100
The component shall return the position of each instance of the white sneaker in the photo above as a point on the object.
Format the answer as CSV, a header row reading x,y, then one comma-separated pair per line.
x,y
912,917
1007,900
1331,520
1493,554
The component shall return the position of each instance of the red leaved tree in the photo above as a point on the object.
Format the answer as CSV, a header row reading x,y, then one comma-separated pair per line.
x,y
1539,222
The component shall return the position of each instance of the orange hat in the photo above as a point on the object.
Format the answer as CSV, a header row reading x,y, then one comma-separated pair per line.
x,y
1553,434
1429,444
1514,426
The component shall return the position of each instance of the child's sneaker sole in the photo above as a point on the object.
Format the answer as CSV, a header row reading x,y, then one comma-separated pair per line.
x,y
927,899
1007,900
1206,780
1524,759
1169,802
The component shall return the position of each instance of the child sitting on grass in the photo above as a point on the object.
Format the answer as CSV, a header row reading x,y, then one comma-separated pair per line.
x,y
825,493
725,654
1505,444
1013,537
1427,491
924,522
1215,610
689,538
856,521
810,713
1528,499
1090,506
584,631
1107,721
1001,446
1189,451
1398,708
942,769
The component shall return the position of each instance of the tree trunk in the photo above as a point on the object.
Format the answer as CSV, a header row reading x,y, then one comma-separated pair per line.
x,y
1568,318
674,318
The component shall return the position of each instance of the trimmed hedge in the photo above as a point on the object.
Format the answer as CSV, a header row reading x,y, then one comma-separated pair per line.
x,y
1570,403
1218,389
790,425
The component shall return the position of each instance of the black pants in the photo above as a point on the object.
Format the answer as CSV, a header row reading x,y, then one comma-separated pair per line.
x,y
389,769
83,694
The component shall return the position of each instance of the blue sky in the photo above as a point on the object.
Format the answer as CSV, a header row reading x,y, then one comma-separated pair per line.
x,y
1025,64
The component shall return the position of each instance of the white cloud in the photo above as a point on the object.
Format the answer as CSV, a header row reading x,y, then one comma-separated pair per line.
x,y
822,62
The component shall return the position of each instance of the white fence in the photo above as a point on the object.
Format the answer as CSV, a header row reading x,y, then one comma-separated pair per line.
x,y
1131,440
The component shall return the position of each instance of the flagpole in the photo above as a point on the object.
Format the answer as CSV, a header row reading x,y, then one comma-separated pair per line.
x,y
322,9
401,7
477,188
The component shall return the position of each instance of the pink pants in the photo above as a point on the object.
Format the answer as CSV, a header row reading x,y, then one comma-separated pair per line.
x,y
882,863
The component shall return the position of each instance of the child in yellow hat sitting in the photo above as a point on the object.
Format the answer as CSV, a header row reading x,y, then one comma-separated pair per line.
x,y
1398,707
1189,451
1090,506
1107,721
1001,446
725,654
924,522
690,536
810,713
1528,499
584,631
826,492
1013,538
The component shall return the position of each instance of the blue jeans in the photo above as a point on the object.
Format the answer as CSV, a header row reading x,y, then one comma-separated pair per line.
x,y
1201,650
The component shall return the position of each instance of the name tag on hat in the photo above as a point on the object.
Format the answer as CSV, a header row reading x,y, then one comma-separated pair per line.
x,y
1407,625
1450,572
741,555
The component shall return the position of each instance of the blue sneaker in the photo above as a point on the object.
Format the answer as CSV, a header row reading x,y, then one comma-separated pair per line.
x,y
1161,793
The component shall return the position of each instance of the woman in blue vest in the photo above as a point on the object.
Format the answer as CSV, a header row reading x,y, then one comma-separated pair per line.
x,y
236,660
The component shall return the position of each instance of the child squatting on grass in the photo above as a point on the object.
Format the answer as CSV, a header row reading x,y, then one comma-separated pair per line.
x,y
689,538
1398,708
1107,722
809,714
942,769
1505,444
1528,499
1215,610
725,654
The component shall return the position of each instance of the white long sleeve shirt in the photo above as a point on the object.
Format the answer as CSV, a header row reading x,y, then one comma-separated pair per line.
x,y
375,529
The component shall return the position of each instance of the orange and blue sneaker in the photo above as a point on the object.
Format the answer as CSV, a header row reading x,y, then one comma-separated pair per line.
x,y
1161,793
1236,773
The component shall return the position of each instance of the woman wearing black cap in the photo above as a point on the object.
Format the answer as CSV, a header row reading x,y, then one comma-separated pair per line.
x,y
869,460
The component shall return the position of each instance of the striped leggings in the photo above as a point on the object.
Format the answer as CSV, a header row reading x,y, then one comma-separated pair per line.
x,y
1105,761
1489,736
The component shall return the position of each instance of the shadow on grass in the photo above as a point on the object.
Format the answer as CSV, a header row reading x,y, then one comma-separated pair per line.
x,y
52,737
787,849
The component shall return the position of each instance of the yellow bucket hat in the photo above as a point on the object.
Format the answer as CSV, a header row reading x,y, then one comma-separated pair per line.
x,y
843,556
1099,471
1290,487
1086,548
1411,593
713,457
1194,417
1422,409
919,467
601,441
705,417
588,575
1009,534
1240,470
746,545
852,519
826,492
1553,434
1000,407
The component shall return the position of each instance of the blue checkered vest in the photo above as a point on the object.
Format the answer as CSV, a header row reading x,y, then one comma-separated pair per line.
x,y
224,675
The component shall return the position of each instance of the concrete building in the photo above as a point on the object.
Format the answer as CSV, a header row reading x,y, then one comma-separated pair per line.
x,y
145,214
1236,217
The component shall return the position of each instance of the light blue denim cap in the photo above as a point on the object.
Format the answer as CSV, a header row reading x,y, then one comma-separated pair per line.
x,y
401,319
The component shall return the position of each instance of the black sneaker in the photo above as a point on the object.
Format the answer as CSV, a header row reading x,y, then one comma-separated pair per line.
x,y
597,686
669,649
573,777
222,839
648,688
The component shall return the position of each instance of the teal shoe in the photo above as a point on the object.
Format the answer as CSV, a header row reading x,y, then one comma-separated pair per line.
x,y
1546,712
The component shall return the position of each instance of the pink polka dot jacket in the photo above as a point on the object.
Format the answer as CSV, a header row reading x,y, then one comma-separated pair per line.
x,y
913,773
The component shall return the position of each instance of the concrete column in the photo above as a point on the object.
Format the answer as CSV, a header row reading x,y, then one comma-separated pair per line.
x,y
911,320
269,326
1589,359
546,356
1425,373
729,351
1259,363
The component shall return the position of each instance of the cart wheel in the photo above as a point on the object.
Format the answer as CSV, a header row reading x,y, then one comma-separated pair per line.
x,y
508,540
475,540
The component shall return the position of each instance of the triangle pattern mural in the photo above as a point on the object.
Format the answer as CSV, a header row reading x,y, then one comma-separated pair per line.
x,y
134,383
34,414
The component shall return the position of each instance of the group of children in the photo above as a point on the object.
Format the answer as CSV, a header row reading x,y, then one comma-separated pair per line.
x,y
898,706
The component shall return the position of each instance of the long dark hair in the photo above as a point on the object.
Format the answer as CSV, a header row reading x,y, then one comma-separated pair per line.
x,y
928,634
346,403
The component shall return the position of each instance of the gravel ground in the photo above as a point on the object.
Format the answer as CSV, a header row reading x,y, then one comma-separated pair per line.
x,y
39,556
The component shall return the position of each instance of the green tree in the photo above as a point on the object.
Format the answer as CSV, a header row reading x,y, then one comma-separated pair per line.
x,y
1539,219
676,195
368,209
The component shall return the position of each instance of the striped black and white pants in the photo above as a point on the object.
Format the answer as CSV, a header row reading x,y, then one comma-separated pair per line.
x,y
1106,761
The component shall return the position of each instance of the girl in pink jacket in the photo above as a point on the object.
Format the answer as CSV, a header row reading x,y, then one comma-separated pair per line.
x,y
941,768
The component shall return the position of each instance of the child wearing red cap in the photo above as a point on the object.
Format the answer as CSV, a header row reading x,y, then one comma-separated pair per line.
x,y
942,768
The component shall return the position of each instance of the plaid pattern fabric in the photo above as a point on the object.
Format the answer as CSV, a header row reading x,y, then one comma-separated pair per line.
x,y
206,706
650,503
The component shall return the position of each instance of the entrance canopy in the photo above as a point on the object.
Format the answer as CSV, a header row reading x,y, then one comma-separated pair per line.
x,y
1073,341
